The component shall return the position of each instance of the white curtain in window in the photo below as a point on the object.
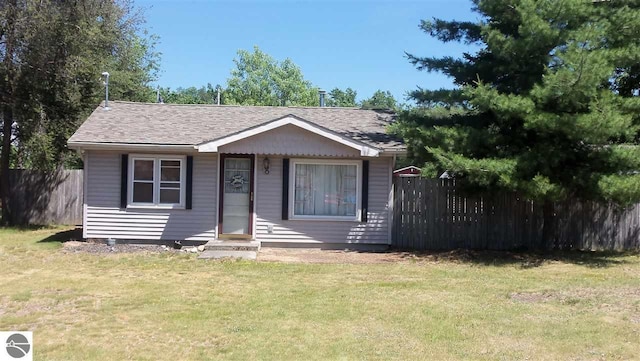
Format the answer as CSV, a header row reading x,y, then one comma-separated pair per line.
x,y
325,190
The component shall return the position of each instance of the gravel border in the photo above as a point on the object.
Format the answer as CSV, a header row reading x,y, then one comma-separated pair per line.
x,y
103,248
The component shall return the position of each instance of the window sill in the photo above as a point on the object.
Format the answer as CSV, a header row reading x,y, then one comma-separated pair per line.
x,y
154,206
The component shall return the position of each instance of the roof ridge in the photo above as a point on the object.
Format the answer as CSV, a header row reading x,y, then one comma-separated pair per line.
x,y
236,105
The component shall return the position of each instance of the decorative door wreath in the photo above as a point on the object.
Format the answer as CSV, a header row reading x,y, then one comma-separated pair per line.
x,y
237,181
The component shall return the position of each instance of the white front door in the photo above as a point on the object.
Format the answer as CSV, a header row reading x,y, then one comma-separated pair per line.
x,y
237,195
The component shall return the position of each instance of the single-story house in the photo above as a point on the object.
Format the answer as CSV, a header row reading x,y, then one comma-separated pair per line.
x,y
278,175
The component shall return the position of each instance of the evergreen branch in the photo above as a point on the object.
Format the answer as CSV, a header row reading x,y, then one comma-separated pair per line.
x,y
447,65
446,31
441,97
583,60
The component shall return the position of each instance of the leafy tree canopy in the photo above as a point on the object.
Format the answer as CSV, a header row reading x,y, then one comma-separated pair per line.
x,y
191,95
52,54
259,79
380,100
342,98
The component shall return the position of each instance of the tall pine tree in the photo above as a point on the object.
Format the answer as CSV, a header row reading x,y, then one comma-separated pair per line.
x,y
547,106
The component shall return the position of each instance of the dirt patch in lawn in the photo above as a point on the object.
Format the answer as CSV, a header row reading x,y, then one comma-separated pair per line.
x,y
97,247
460,256
313,255
310,255
612,300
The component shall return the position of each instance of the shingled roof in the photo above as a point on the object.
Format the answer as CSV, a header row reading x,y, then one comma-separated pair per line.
x,y
174,124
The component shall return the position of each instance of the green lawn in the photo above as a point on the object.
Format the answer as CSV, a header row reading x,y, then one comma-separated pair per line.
x,y
173,307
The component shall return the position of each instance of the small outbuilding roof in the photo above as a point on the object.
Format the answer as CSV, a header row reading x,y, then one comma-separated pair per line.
x,y
131,123
411,170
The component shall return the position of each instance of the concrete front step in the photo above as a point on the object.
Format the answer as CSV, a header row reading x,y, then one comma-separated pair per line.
x,y
232,245
209,254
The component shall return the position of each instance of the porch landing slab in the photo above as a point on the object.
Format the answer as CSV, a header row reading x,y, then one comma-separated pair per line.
x,y
216,249
232,245
249,255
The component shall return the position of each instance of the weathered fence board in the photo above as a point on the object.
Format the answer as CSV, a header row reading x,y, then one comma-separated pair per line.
x,y
436,214
45,198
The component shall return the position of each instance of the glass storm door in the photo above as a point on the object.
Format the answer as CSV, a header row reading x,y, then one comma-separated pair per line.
x,y
237,195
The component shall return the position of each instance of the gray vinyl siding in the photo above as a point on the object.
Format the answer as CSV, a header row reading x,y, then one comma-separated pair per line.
x,y
292,141
269,211
105,219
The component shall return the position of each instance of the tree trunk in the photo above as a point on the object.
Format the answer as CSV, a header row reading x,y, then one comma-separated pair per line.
x,y
548,226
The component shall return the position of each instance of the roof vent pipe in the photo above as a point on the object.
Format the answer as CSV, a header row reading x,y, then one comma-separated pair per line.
x,y
159,98
322,93
106,90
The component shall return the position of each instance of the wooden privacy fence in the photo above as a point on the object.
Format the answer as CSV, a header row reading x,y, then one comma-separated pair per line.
x,y
434,214
45,198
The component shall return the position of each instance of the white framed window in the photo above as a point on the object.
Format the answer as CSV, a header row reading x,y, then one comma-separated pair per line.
x,y
325,189
157,181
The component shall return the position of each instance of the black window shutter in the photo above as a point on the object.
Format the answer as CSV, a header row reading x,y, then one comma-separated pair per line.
x,y
124,179
365,190
285,188
189,185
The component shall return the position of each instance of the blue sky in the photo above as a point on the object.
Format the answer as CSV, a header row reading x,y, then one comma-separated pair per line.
x,y
357,44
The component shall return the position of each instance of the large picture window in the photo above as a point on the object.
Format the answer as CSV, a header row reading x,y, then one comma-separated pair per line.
x,y
157,181
325,190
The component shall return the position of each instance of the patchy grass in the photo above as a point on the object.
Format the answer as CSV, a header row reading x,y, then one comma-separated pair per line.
x,y
170,306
